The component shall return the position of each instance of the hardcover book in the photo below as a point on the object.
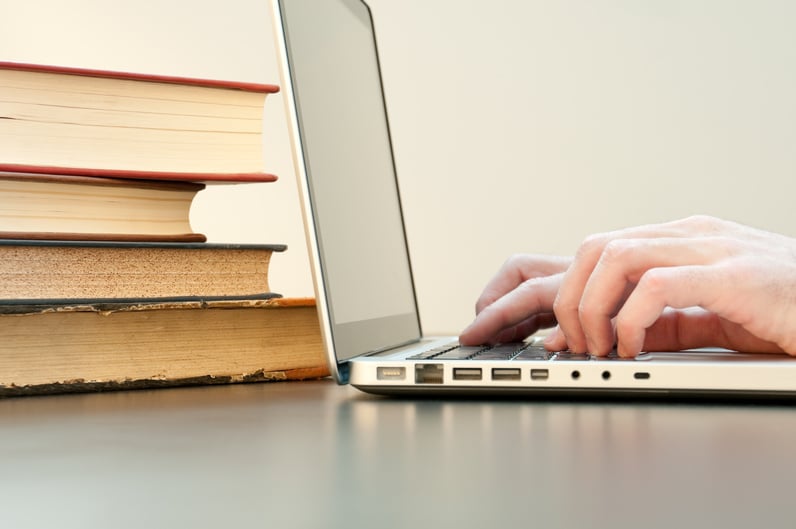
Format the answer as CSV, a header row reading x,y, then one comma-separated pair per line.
x,y
100,123
96,345
52,270
63,207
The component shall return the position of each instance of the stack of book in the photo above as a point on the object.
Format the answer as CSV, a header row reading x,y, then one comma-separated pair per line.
x,y
103,282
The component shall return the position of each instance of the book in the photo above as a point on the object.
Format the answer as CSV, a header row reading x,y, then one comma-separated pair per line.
x,y
118,124
64,207
56,348
52,270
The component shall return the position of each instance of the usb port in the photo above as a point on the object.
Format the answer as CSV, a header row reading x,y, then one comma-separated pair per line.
x,y
539,374
505,373
466,373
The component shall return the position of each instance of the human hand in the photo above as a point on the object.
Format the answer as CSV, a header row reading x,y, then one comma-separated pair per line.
x,y
622,286
696,282
518,301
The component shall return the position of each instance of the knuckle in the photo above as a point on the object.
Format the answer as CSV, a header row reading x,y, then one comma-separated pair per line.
x,y
561,307
491,311
480,306
617,250
728,245
521,266
530,284
588,313
593,243
653,283
485,301
515,260
702,223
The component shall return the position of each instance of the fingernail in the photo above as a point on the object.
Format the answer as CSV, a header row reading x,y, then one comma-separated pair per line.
x,y
630,347
554,339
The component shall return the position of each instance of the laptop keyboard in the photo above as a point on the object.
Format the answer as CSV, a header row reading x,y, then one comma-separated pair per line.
x,y
513,351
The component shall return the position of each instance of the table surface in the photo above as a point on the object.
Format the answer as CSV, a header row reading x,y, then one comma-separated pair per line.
x,y
314,454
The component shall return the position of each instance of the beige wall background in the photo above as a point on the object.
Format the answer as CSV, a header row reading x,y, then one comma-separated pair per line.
x,y
517,126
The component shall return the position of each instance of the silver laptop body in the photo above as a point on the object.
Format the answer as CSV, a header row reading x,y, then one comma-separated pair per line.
x,y
360,262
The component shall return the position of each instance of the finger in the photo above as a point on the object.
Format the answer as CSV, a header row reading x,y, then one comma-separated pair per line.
x,y
567,304
515,271
526,328
659,288
621,265
677,330
555,341
532,297
750,296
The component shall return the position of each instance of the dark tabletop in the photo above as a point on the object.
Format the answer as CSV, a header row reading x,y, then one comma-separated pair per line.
x,y
314,454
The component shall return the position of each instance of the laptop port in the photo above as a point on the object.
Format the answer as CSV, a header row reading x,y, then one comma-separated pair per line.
x,y
466,373
505,373
428,373
540,374
641,375
391,373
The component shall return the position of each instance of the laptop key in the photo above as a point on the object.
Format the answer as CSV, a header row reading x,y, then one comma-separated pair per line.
x,y
434,351
568,356
534,352
424,355
493,355
500,352
460,353
612,356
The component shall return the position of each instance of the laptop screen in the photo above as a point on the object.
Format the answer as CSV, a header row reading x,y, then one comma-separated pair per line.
x,y
347,155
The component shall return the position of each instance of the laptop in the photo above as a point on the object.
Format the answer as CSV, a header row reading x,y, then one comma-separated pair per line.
x,y
362,273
